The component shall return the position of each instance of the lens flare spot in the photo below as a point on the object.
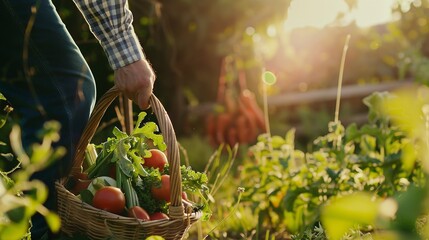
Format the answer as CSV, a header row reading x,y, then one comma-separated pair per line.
x,y
269,78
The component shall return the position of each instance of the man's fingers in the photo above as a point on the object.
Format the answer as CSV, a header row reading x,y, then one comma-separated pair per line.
x,y
142,100
136,82
139,98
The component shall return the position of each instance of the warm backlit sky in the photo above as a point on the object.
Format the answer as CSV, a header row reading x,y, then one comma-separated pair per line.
x,y
319,13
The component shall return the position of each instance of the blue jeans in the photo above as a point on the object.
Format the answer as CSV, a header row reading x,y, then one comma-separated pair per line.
x,y
53,82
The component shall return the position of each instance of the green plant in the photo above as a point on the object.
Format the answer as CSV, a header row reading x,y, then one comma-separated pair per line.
x,y
20,197
402,215
6,108
287,187
223,201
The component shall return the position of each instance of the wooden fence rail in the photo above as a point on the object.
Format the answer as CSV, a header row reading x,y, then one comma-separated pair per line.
x,y
330,94
314,96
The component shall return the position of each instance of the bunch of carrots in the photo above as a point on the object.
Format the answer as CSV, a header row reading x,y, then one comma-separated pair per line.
x,y
239,119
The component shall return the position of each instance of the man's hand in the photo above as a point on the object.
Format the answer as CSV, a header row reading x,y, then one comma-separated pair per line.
x,y
136,81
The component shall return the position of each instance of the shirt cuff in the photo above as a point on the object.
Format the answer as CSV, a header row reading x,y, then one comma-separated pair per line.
x,y
123,50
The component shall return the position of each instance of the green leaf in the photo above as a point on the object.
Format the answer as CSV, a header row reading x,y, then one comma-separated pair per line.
x,y
137,163
336,127
290,136
277,142
193,181
119,134
14,231
148,131
375,103
409,157
332,174
38,192
352,132
5,110
2,120
40,154
7,156
5,183
139,121
124,162
155,238
86,196
410,207
16,214
51,130
368,143
290,198
320,156
406,112
54,221
347,212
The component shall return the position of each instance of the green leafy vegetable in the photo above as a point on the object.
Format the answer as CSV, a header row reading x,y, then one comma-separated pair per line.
x,y
124,153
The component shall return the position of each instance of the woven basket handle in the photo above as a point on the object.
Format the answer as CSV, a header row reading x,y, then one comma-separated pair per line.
x,y
167,130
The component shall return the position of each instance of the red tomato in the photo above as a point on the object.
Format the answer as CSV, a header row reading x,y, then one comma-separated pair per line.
x,y
157,160
110,199
138,212
162,192
158,216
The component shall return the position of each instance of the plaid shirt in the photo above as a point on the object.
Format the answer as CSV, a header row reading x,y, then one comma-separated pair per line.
x,y
111,23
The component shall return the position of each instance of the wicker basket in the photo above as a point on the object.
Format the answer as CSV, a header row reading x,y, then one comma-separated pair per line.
x,y
78,217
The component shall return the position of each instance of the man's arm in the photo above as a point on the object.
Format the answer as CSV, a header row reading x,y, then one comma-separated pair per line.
x,y
111,23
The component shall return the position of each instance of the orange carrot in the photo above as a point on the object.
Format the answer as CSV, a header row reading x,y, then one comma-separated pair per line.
x,y
230,102
232,135
253,129
222,123
242,129
249,101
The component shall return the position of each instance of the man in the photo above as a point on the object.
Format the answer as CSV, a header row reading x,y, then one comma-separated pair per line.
x,y
45,77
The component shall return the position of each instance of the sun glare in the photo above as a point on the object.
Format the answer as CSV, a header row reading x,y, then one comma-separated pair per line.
x,y
320,13
370,12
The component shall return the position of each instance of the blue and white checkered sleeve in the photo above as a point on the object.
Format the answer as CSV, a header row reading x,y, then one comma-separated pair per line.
x,y
111,23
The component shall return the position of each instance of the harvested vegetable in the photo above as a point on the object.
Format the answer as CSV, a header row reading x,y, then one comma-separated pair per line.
x,y
110,199
136,165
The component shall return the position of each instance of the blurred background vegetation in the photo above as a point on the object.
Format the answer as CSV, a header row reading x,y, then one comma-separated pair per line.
x,y
186,42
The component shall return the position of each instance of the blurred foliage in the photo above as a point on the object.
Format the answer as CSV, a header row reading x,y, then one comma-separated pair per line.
x,y
374,165
412,33
185,41
21,197
404,214
199,151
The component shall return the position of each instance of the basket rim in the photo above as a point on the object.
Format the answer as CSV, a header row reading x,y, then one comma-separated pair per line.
x,y
112,216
